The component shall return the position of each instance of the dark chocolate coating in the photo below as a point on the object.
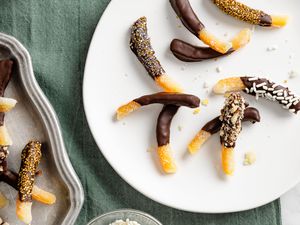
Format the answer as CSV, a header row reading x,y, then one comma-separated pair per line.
x,y
10,177
269,84
213,126
250,114
163,124
5,76
265,20
140,44
168,98
190,53
187,16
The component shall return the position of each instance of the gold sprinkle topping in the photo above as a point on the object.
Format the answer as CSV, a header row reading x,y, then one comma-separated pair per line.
x,y
140,44
244,12
31,156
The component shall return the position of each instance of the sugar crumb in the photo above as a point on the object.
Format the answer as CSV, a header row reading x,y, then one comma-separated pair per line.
x,y
293,74
179,128
218,69
196,111
249,158
272,48
205,102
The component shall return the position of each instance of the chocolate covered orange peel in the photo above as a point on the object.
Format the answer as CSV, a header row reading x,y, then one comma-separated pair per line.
x,y
260,87
250,15
141,46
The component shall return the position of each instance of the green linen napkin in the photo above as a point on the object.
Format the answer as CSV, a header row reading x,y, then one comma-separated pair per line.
x,y
57,33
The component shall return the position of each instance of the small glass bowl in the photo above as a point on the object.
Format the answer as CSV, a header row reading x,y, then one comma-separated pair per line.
x,y
123,214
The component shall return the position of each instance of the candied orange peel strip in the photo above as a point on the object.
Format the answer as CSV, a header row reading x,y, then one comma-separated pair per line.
x,y
6,104
126,109
228,160
42,196
241,39
23,211
168,84
166,159
231,84
5,139
213,42
3,201
279,21
201,137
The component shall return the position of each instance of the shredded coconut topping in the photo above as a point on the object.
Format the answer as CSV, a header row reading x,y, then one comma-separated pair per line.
x,y
264,88
127,222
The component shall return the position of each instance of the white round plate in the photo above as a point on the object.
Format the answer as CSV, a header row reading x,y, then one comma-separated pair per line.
x,y
113,76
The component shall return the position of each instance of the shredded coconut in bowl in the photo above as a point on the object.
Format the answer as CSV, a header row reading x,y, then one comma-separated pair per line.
x,y
127,222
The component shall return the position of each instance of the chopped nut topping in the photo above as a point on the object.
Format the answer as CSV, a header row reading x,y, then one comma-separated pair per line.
x,y
231,117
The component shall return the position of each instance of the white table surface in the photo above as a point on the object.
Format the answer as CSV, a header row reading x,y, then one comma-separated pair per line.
x,y
290,207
